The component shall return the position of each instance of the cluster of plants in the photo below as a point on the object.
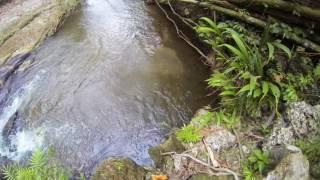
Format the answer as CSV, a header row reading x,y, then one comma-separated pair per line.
x,y
191,133
256,75
312,150
38,167
256,162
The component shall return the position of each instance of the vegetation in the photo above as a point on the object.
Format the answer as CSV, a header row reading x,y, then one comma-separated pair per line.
x,y
312,151
190,133
256,163
39,167
256,74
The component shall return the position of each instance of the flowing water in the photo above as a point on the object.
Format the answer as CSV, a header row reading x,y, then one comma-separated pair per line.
x,y
112,82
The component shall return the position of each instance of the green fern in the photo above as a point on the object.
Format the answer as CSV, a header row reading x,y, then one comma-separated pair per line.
x,y
38,168
258,160
38,159
188,134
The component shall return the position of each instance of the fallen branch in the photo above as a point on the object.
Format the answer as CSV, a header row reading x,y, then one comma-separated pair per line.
x,y
292,8
214,162
254,21
225,170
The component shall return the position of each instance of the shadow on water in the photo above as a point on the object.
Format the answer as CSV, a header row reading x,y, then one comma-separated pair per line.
x,y
112,82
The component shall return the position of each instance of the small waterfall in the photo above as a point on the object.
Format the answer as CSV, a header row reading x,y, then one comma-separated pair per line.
x,y
22,141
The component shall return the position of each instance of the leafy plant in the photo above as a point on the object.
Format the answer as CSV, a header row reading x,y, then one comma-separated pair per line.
x,y
202,120
227,119
258,160
247,173
188,134
311,149
37,168
244,82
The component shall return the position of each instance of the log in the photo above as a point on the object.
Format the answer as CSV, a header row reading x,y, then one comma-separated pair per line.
x,y
252,20
294,8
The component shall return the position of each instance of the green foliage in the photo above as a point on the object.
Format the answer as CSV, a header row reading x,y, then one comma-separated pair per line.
x,y
256,74
258,160
256,163
226,119
245,83
247,173
202,120
316,71
38,168
311,149
188,134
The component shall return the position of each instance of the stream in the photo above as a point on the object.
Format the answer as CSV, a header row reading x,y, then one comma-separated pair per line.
x,y
113,81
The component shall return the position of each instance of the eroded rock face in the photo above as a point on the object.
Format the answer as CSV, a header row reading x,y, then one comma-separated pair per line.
x,y
119,169
292,166
301,120
26,23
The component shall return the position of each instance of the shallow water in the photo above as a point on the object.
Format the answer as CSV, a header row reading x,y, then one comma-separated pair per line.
x,y
112,82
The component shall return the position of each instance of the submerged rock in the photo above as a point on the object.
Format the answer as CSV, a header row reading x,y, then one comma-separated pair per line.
x,y
119,169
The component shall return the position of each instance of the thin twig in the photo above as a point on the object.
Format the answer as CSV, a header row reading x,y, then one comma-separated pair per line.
x,y
239,143
180,33
225,170
254,136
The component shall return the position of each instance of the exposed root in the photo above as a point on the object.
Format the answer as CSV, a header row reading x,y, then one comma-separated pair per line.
x,y
181,34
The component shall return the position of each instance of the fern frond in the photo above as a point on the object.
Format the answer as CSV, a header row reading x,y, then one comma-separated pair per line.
x,y
38,159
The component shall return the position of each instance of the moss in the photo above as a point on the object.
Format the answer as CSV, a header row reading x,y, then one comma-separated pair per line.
x,y
119,169
170,145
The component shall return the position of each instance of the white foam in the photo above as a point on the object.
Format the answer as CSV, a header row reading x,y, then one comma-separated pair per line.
x,y
25,140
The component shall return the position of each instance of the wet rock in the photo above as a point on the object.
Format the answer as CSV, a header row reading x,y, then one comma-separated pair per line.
x,y
10,128
25,24
292,166
277,153
300,120
170,145
5,161
119,169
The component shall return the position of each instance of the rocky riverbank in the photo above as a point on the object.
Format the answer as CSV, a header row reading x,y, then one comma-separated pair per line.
x,y
26,23
221,152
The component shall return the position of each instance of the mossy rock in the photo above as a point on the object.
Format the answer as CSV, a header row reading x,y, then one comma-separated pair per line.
x,y
119,169
172,144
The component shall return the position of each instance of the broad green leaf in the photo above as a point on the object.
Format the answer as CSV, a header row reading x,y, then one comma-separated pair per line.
x,y
257,93
253,81
209,21
271,51
275,91
283,48
244,89
235,51
202,29
240,43
227,93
